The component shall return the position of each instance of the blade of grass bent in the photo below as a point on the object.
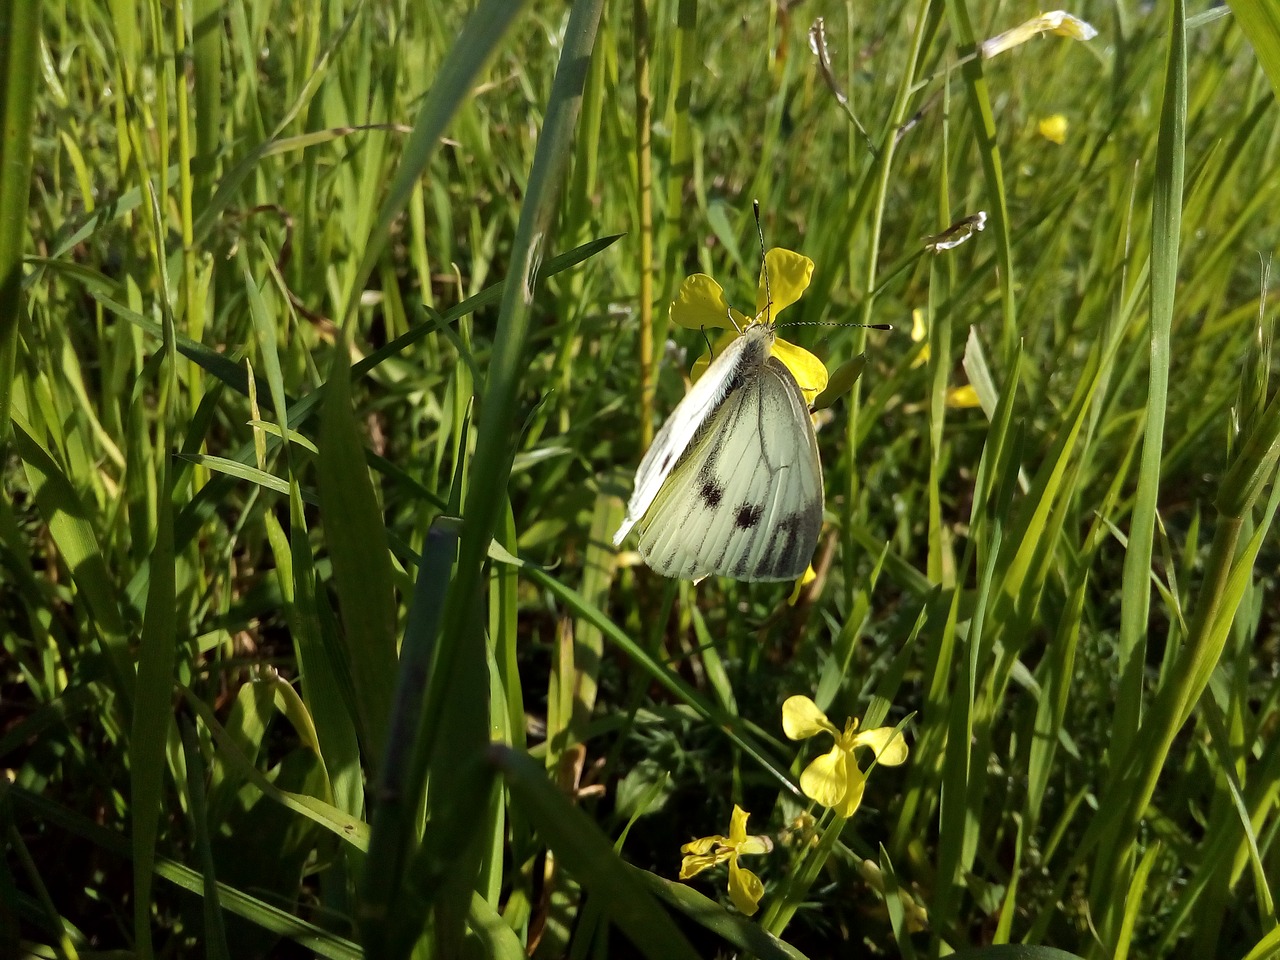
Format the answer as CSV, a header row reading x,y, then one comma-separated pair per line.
x,y
344,826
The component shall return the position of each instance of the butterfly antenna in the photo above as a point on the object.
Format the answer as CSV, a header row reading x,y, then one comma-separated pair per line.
x,y
764,264
839,323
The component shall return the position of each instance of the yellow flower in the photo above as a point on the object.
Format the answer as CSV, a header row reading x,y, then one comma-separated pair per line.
x,y
1054,128
1059,22
918,333
963,398
834,779
700,303
745,888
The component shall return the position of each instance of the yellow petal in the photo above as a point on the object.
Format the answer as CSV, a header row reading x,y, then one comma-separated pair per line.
x,y
789,274
755,845
693,865
855,785
1054,128
700,303
801,719
700,365
826,779
745,888
738,826
889,746
962,398
809,371
702,845
806,578
810,374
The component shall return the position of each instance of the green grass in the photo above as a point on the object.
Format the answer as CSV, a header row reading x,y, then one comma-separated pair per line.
x,y
321,389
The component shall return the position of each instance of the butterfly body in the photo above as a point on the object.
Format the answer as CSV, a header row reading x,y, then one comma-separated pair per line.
x,y
732,484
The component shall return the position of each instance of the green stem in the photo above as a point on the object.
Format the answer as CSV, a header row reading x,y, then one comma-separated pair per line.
x,y
19,51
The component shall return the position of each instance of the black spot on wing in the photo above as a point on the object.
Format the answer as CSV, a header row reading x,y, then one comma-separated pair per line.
x,y
748,515
711,493
792,543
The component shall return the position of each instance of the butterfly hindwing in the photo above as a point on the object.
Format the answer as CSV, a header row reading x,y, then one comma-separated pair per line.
x,y
745,501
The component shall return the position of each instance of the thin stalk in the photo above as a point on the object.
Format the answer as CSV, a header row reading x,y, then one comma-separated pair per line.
x,y
644,176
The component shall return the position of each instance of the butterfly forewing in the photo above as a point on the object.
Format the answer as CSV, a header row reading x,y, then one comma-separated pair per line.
x,y
690,416
745,500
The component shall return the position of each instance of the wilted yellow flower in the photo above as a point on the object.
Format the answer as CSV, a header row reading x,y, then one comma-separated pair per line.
x,y
1054,128
834,779
957,233
916,916
801,831
700,303
1059,22
745,888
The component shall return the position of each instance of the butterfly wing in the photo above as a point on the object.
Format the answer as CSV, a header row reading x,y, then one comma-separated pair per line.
x,y
689,416
746,499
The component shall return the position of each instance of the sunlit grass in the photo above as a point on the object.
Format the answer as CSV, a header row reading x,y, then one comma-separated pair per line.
x,y
327,313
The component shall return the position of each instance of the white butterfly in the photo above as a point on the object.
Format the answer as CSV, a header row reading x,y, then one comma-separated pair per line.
x,y
732,484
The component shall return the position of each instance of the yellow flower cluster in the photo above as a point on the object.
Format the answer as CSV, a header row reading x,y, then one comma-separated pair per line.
x,y
835,780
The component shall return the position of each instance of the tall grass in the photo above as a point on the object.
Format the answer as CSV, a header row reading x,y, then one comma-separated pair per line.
x,y
323,370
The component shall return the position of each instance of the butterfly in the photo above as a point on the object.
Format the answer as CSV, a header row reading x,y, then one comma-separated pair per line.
x,y
732,484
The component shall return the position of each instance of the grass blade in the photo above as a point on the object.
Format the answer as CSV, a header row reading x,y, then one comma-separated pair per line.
x,y
19,51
